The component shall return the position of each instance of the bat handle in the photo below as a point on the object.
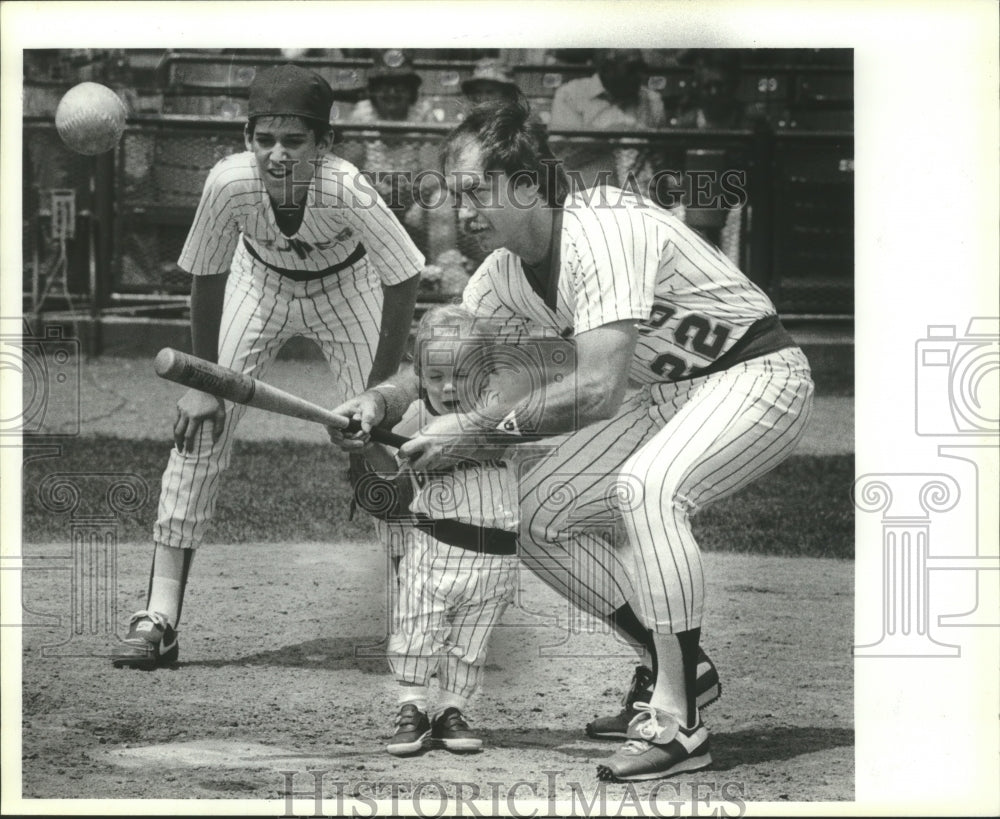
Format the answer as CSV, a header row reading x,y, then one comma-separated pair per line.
x,y
379,435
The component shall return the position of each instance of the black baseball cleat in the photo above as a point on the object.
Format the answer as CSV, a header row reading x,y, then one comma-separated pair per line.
x,y
151,643
707,689
452,733
413,731
658,747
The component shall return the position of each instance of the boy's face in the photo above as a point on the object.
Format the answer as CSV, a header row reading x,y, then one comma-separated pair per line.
x,y
454,374
286,151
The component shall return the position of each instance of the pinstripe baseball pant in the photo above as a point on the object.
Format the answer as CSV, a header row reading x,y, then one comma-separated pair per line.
x,y
672,448
262,310
450,600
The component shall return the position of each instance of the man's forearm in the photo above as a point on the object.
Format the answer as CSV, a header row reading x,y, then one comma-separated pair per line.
x,y
397,316
395,395
207,297
561,407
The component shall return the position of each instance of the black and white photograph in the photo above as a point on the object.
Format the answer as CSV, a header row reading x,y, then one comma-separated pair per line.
x,y
482,409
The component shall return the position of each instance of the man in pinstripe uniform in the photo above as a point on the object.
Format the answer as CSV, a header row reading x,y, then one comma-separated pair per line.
x,y
687,388
288,240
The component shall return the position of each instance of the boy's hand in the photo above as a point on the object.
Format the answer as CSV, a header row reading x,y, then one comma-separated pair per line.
x,y
193,409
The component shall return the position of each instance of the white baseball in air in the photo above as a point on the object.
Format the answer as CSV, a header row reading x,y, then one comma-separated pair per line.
x,y
90,118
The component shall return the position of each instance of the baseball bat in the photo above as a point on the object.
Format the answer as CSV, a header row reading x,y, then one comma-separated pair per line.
x,y
222,382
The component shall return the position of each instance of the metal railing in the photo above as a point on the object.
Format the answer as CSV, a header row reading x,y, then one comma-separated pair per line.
x,y
790,226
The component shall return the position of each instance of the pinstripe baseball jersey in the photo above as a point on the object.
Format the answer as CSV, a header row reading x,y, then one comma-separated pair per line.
x,y
482,494
450,599
342,210
622,258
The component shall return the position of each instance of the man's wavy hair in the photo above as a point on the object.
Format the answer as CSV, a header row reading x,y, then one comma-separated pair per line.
x,y
513,142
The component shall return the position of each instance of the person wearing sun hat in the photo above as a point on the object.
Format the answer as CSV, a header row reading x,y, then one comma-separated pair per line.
x,y
490,80
393,91
394,159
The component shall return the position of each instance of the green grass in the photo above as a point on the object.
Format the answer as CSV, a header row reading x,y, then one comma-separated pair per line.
x,y
801,509
281,491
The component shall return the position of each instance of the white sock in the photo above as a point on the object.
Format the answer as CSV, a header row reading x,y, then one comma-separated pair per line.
x,y
450,699
167,589
668,693
413,693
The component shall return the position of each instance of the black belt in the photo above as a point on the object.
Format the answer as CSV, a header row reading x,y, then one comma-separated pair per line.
x,y
482,539
764,336
309,275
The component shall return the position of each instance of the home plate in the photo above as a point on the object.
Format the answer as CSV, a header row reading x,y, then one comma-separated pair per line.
x,y
216,753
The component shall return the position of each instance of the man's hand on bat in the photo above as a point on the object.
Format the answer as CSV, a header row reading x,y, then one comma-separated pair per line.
x,y
441,445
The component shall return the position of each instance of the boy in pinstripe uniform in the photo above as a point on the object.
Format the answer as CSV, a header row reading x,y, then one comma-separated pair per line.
x,y
288,240
449,598
687,389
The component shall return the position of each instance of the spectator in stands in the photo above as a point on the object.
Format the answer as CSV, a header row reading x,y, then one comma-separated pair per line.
x,y
715,99
394,161
490,80
714,105
393,92
613,98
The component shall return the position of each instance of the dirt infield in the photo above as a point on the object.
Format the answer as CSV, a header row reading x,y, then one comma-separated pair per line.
x,y
274,681
281,671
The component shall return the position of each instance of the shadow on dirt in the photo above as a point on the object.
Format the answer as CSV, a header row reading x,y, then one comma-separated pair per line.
x,y
364,653
729,750
750,747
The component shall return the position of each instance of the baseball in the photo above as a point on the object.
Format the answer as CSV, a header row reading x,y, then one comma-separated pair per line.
x,y
90,118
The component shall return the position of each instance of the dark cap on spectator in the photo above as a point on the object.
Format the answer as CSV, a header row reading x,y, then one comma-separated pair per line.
x,y
394,64
288,90
489,70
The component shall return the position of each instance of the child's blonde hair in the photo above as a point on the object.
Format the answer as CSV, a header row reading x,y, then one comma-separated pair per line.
x,y
450,322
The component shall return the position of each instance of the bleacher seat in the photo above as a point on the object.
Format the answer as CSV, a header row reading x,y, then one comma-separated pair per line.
x,y
543,80
824,88
442,80
817,119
